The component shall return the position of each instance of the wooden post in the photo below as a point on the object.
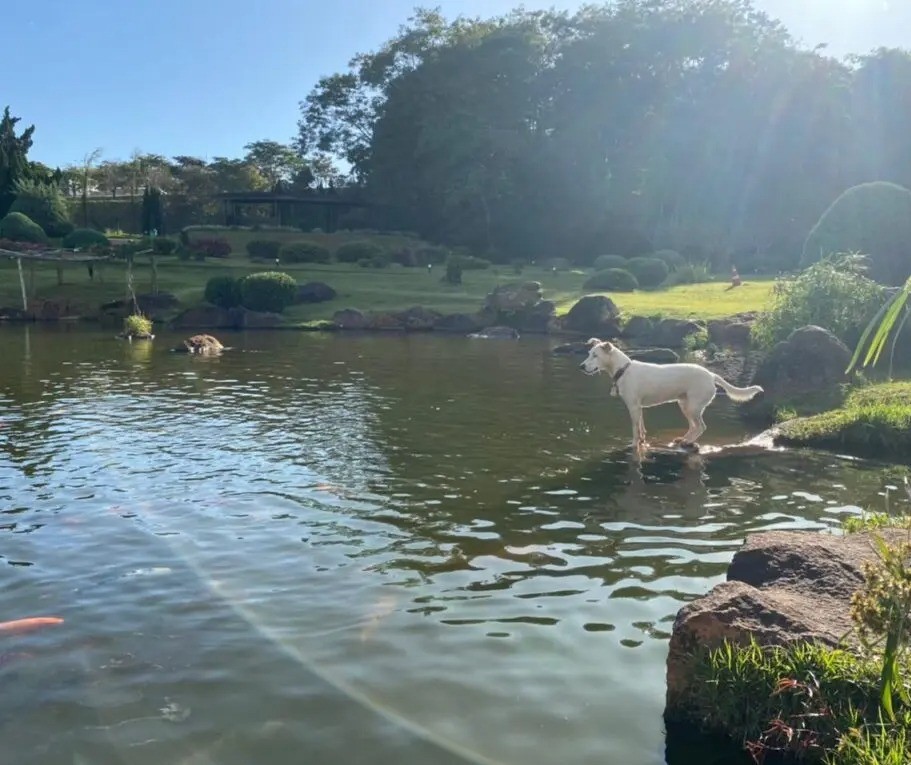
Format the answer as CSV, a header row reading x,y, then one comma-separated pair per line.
x,y
22,285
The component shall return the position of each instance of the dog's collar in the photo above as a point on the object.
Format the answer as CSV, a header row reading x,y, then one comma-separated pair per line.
x,y
619,373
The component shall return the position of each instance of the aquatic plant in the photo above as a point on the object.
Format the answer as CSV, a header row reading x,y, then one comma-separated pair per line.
x,y
137,325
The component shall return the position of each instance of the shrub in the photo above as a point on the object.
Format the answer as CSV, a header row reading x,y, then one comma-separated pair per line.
x,y
267,291
872,219
223,291
21,228
82,238
690,273
833,294
211,248
649,272
265,249
603,262
304,252
614,279
352,252
45,205
377,261
137,325
673,259
432,255
161,245
453,273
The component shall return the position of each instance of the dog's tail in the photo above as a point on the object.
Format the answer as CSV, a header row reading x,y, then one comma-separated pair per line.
x,y
735,393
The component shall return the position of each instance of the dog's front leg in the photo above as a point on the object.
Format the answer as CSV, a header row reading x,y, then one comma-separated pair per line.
x,y
635,415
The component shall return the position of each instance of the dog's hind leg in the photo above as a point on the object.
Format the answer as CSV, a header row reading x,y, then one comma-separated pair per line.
x,y
685,408
693,412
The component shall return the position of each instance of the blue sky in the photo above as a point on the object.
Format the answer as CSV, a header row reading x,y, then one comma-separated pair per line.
x,y
204,77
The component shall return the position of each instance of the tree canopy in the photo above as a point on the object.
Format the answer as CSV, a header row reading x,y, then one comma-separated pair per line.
x,y
697,125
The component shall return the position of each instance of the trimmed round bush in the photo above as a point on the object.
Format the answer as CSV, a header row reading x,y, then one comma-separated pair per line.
x,y
265,249
20,228
267,291
44,204
223,291
304,252
378,261
649,272
613,279
603,262
672,258
353,252
873,219
82,238
211,248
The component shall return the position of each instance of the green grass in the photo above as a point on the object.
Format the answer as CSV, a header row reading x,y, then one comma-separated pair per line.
x,y
874,421
368,289
825,700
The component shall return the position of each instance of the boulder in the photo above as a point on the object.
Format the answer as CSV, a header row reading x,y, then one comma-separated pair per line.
x,y
206,317
204,345
730,332
384,321
810,365
782,587
653,355
462,323
594,315
349,318
8,313
637,326
315,292
519,305
672,333
418,319
247,319
497,333
153,305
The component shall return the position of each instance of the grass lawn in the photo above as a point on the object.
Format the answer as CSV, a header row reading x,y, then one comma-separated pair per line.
x,y
373,289
875,421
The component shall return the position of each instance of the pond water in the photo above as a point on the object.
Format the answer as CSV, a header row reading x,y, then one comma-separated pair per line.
x,y
354,549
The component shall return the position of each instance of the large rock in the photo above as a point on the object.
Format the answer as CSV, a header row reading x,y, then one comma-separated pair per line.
x,y
672,333
154,305
462,323
730,332
782,587
315,292
247,319
519,305
350,318
594,315
810,365
638,327
418,319
381,321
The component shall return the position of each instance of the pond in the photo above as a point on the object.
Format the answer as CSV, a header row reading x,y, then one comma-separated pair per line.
x,y
355,549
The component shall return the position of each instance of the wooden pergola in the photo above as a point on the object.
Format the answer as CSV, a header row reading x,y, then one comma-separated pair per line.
x,y
283,205
59,257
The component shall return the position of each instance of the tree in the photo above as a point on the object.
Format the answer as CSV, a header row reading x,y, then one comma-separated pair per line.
x,y
86,167
44,204
14,165
276,162
152,213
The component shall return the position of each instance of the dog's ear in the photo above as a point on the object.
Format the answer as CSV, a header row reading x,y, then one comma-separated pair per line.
x,y
592,342
608,346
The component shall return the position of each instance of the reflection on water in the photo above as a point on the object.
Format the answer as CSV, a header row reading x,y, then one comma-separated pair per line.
x,y
355,549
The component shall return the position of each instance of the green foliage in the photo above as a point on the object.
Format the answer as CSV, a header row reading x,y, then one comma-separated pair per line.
x,y
603,262
689,273
223,291
872,219
649,272
45,205
613,279
85,238
304,252
267,291
137,325
453,273
161,245
432,255
21,228
377,261
833,293
352,252
152,210
673,259
14,164
804,700
889,321
264,249
213,247
874,421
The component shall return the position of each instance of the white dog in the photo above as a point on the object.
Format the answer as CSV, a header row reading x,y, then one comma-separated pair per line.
x,y
642,385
